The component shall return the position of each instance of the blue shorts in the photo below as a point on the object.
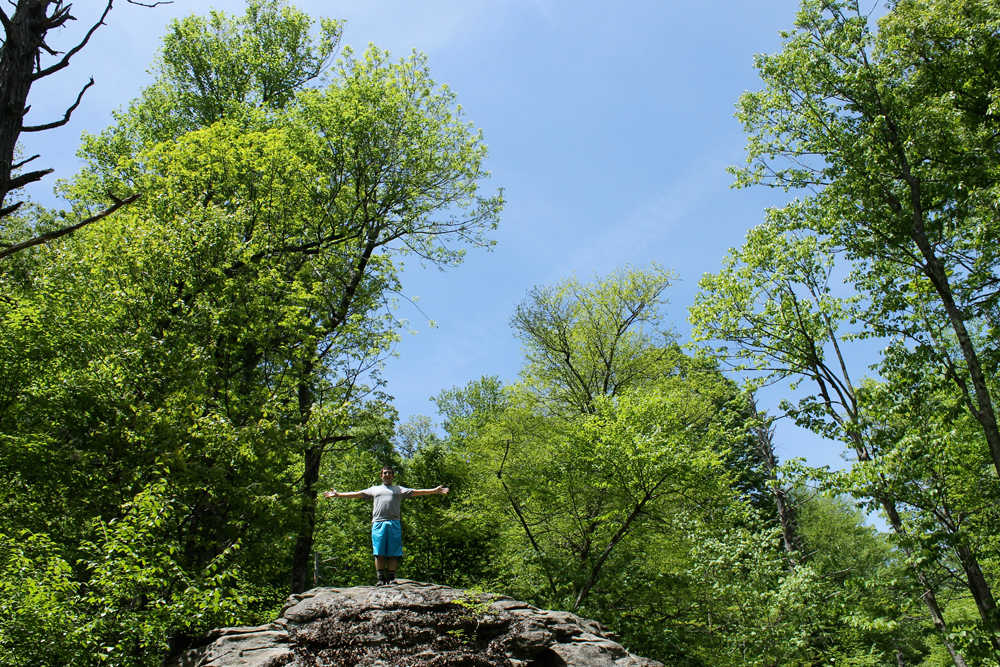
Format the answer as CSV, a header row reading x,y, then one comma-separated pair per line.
x,y
387,539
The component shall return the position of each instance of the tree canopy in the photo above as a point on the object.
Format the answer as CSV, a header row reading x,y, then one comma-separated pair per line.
x,y
179,382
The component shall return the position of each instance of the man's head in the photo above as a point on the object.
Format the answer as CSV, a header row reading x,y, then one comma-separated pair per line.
x,y
387,475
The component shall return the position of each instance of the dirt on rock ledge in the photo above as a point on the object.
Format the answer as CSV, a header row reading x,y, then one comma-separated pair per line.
x,y
411,624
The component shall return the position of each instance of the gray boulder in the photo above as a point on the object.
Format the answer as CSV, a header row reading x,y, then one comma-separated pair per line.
x,y
411,624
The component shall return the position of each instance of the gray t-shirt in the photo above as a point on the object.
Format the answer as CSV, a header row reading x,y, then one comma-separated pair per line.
x,y
386,501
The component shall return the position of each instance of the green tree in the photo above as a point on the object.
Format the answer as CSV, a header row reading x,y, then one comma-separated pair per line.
x,y
895,133
585,341
613,440
582,492
133,598
225,333
926,451
352,170
238,68
448,539
596,356
468,410
415,434
775,304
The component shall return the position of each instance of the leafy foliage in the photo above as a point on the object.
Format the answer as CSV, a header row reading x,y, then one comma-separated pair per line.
x,y
178,382
185,368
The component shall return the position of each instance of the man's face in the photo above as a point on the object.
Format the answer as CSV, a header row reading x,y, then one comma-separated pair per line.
x,y
387,476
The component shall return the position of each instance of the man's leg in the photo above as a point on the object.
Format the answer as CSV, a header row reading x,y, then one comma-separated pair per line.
x,y
394,546
378,548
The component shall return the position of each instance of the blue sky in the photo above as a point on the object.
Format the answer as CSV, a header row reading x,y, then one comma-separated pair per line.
x,y
610,125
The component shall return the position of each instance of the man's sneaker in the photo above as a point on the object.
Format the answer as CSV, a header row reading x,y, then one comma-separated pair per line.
x,y
391,579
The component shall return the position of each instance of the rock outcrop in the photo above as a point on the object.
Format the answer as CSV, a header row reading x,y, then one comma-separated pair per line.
x,y
411,624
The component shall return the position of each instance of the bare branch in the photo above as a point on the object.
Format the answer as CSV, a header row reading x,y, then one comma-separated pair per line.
x,y
58,19
23,162
155,4
24,179
65,118
4,212
49,236
76,49
4,19
49,50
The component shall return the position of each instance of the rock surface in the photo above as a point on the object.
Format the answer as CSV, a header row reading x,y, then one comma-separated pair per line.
x,y
411,624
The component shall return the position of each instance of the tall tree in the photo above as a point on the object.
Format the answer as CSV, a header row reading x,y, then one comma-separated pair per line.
x,y
774,303
585,341
611,428
239,68
895,133
219,334
383,151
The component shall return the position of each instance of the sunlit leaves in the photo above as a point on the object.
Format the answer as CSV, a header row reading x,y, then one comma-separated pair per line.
x,y
227,331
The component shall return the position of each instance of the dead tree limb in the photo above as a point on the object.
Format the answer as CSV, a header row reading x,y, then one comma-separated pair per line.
x,y
23,45
49,236
66,116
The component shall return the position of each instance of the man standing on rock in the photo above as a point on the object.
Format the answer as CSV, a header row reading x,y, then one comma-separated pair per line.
x,y
387,532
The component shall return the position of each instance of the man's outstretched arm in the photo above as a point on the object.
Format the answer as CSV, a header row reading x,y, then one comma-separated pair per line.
x,y
430,492
333,493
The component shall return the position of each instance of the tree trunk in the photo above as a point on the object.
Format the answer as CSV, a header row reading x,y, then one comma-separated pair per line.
x,y
25,34
980,590
938,275
984,414
764,435
937,618
302,556
930,599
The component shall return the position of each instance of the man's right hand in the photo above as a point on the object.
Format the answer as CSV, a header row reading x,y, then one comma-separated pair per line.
x,y
332,493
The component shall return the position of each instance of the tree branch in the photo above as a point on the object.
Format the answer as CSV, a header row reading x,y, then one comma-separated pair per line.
x,y
49,50
58,19
30,177
65,119
49,236
76,49
522,520
24,162
4,212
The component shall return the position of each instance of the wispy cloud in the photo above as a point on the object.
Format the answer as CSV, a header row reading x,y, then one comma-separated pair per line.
x,y
645,227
